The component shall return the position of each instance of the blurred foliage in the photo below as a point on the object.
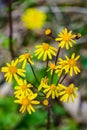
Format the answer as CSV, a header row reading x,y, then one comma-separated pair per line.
x,y
5,41
8,113
84,62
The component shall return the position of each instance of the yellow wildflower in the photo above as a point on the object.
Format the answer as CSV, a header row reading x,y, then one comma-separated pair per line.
x,y
25,58
45,102
45,50
44,81
27,103
65,38
51,90
12,71
23,88
52,67
71,64
68,93
33,18
60,66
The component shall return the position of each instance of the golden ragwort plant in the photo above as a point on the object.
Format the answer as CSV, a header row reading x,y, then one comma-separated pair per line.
x,y
26,93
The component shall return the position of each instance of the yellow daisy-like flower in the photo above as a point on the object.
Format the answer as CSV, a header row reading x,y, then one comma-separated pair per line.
x,y
12,71
45,50
27,103
25,58
44,81
61,64
52,67
51,90
23,88
68,93
65,38
33,18
71,64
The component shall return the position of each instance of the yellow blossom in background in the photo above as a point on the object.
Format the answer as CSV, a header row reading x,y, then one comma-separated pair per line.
x,y
44,81
51,90
52,67
12,71
68,93
45,50
27,103
71,64
25,58
45,102
23,88
33,18
65,39
60,66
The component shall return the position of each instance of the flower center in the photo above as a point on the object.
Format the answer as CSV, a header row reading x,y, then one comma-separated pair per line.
x,y
66,37
23,87
12,69
27,55
52,66
26,101
69,90
45,46
53,87
72,62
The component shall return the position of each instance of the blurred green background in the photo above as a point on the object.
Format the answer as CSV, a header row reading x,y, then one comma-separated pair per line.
x,y
71,14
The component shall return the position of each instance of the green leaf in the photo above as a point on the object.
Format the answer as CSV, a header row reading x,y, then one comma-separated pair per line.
x,y
8,113
38,72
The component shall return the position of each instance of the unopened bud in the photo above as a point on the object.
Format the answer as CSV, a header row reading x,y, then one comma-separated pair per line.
x,y
48,32
78,35
45,102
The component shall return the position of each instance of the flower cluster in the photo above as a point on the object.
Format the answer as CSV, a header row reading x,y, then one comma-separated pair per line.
x,y
24,91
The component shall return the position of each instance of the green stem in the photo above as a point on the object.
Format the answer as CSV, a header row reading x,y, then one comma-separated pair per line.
x,y
34,73
47,65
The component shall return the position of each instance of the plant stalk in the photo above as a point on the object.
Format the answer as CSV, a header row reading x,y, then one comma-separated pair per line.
x,y
10,29
34,73
49,115
63,78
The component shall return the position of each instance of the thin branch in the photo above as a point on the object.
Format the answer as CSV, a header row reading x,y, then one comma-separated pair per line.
x,y
49,114
63,78
47,62
10,29
48,118
57,55
34,73
59,79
